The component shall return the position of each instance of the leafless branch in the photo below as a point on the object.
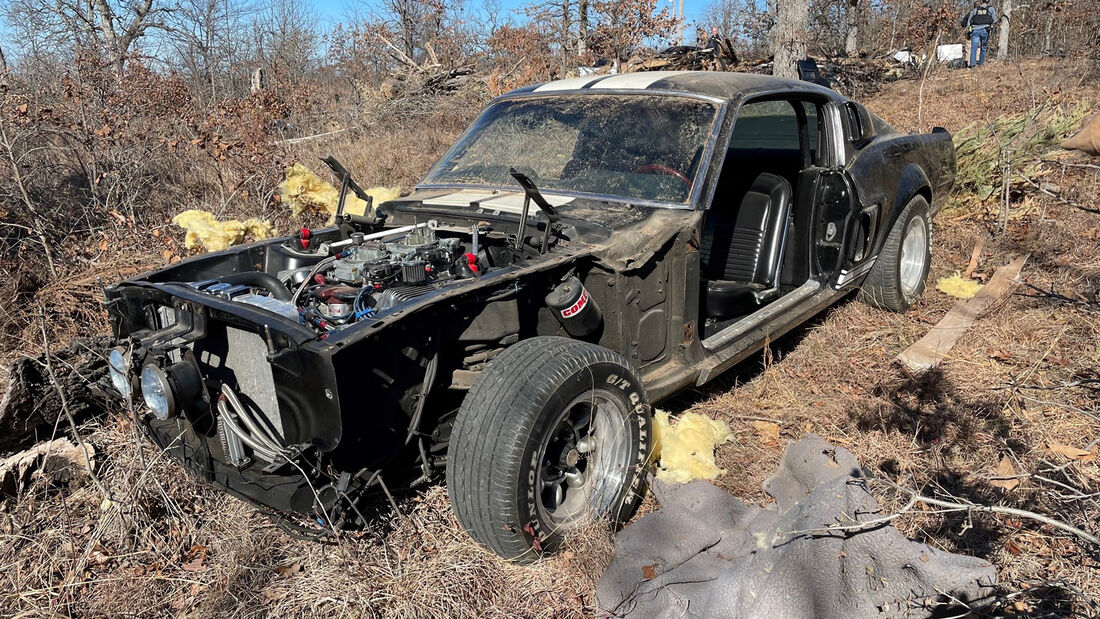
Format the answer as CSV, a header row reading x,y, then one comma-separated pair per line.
x,y
1044,190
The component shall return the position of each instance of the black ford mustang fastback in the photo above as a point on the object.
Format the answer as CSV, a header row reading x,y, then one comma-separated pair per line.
x,y
586,248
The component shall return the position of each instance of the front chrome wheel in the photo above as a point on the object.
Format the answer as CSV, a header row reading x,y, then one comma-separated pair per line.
x,y
584,459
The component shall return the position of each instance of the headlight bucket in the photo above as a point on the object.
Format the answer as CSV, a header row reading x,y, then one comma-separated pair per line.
x,y
167,390
118,366
157,391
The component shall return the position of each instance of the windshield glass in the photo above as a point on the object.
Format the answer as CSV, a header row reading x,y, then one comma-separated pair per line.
x,y
637,147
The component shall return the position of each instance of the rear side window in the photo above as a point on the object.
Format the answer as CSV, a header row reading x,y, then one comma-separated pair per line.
x,y
815,131
772,125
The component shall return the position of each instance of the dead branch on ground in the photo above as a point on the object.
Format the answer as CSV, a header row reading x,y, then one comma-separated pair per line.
x,y
969,507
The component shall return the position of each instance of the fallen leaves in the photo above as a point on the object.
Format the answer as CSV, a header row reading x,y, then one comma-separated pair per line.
x,y
197,556
1006,479
768,432
289,570
1073,453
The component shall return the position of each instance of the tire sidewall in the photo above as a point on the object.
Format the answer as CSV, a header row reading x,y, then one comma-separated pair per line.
x,y
917,207
620,383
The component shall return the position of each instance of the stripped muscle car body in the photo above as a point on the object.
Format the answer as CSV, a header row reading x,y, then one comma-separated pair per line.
x,y
588,247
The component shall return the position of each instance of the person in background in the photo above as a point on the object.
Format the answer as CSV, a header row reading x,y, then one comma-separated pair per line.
x,y
979,22
714,44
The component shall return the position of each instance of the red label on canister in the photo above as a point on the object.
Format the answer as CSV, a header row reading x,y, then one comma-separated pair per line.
x,y
576,307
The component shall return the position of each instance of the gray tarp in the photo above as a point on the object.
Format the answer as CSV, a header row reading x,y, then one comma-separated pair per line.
x,y
708,554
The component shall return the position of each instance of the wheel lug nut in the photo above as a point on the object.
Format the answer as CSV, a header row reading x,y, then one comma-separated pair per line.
x,y
586,445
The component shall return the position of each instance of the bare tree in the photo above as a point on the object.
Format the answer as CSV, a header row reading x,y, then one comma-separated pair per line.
x,y
555,18
111,27
773,12
742,21
582,27
1002,38
792,22
287,40
622,26
566,28
424,28
725,15
121,25
208,39
851,37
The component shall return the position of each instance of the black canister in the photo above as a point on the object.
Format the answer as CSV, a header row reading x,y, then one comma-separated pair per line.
x,y
574,308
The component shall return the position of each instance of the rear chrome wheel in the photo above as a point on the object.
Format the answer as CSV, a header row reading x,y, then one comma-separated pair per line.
x,y
913,262
898,276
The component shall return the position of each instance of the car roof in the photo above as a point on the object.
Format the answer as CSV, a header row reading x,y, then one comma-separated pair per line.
x,y
720,84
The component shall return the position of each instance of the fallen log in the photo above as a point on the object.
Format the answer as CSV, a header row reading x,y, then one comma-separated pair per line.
x,y
59,461
32,404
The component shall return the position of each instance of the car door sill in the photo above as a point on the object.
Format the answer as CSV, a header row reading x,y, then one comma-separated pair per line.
x,y
755,319
733,343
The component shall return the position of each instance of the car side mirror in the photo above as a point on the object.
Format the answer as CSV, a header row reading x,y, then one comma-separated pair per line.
x,y
860,126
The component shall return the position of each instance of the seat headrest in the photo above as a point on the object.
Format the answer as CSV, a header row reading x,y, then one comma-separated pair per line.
x,y
773,185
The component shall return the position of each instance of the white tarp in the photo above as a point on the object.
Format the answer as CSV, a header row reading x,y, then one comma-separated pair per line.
x,y
947,53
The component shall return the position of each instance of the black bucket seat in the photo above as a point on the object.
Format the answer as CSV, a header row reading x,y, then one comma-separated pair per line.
x,y
741,251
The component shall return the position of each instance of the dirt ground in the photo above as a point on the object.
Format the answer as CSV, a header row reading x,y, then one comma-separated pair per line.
x,y
1020,387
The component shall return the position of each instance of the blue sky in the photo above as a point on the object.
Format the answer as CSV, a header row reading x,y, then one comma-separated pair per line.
x,y
334,11
331,12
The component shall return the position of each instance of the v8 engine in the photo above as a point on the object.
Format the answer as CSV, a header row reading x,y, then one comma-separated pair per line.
x,y
335,284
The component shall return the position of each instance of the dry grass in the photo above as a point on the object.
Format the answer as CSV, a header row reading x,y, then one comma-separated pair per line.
x,y
167,546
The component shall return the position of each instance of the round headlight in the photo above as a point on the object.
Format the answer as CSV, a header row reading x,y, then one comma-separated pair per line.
x,y
157,392
117,368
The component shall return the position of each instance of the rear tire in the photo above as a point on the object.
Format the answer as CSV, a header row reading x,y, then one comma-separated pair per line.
x,y
898,277
555,432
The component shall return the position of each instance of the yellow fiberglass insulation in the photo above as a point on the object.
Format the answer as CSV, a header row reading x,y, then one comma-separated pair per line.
x,y
203,228
305,191
958,286
685,451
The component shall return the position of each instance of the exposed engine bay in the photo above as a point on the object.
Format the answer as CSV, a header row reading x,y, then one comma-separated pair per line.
x,y
330,282
330,285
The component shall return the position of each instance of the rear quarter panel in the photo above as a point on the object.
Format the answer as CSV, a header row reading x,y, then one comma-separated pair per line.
x,y
892,169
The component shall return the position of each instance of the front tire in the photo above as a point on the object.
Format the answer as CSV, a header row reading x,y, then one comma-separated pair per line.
x,y
554,433
897,279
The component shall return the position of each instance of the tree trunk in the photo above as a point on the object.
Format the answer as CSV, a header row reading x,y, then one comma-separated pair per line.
x,y
1048,41
4,61
566,26
257,82
851,38
1002,40
791,23
773,13
582,27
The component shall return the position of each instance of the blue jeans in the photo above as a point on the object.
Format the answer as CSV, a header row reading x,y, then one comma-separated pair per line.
x,y
978,39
